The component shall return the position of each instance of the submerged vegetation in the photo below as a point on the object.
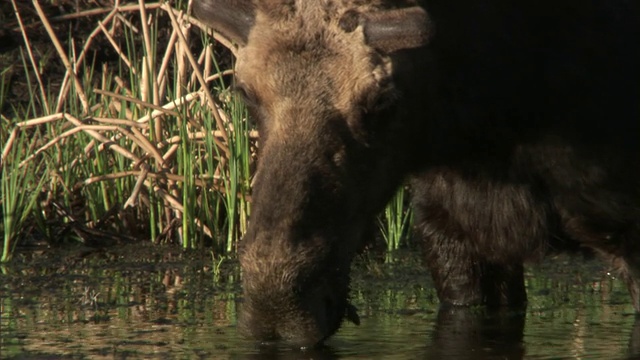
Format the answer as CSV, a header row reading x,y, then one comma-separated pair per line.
x,y
118,124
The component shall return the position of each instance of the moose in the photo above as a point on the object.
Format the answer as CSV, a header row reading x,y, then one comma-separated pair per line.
x,y
516,123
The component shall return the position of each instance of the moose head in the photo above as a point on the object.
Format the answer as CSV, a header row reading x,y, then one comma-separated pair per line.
x,y
323,81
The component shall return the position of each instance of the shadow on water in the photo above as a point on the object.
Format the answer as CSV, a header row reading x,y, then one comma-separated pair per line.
x,y
634,342
472,334
159,303
280,353
461,333
457,334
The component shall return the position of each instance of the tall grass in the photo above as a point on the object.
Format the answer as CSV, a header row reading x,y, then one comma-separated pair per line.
x,y
148,145
19,190
396,222
136,145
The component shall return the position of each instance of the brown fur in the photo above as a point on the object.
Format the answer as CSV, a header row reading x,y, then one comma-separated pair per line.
x,y
518,125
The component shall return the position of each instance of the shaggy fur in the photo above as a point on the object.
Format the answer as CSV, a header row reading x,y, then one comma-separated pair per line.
x,y
517,123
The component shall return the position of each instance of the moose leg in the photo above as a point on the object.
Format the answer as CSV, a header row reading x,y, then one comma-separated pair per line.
x,y
476,235
503,285
463,279
617,246
628,265
460,332
631,278
608,225
628,268
455,273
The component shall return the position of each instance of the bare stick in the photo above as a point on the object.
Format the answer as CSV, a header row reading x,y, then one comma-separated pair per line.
x,y
113,43
63,57
64,89
172,150
150,174
27,45
123,122
136,189
150,66
97,11
137,101
253,134
216,35
41,120
176,205
162,78
8,145
219,75
194,65
96,135
65,134
146,144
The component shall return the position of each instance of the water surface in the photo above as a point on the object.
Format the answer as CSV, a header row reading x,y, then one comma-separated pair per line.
x,y
161,303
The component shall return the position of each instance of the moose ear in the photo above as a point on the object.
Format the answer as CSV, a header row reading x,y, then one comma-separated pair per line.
x,y
232,18
398,29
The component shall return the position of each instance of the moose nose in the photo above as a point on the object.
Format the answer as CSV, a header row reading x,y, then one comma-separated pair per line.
x,y
293,330
307,332
297,329
323,323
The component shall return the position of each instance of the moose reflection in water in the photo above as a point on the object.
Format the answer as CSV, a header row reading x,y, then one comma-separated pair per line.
x,y
476,334
459,333
517,123
148,308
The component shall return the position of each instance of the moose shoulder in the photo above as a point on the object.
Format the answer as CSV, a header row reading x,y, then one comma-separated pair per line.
x,y
517,123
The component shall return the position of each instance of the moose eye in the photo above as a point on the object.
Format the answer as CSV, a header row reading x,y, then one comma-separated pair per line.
x,y
250,101
246,94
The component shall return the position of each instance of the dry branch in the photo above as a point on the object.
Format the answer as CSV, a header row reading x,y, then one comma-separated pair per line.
x,y
63,57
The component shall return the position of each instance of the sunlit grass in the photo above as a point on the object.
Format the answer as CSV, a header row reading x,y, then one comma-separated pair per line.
x,y
136,145
19,189
148,145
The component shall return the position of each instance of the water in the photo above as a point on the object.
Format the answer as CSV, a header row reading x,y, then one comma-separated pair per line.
x,y
159,303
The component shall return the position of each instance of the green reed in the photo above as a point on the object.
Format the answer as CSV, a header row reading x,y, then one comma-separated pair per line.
x,y
396,221
19,189
149,145
131,144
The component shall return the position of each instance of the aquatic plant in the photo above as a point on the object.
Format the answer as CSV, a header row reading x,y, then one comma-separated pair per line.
x,y
19,190
139,136
396,221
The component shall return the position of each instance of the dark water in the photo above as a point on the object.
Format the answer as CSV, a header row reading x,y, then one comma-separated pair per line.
x,y
153,303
